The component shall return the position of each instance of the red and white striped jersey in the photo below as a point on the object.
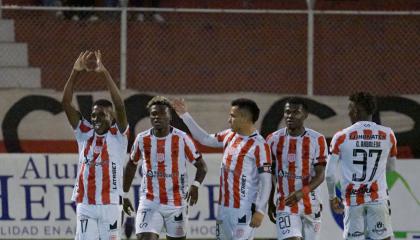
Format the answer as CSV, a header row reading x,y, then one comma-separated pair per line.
x,y
363,150
164,169
100,169
243,158
294,159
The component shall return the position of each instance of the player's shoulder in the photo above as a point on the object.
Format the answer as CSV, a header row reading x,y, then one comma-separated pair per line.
x,y
144,134
278,133
225,132
313,134
258,138
179,132
384,128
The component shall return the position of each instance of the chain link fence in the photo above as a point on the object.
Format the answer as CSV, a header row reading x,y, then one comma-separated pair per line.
x,y
217,51
355,52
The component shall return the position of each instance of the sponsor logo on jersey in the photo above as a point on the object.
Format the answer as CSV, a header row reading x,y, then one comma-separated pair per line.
x,y
286,174
160,174
160,157
243,186
291,157
114,176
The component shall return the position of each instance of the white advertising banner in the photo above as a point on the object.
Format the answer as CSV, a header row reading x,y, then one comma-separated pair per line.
x,y
35,191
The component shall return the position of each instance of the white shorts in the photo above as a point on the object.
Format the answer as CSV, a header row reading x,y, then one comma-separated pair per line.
x,y
298,225
233,223
98,221
153,217
369,220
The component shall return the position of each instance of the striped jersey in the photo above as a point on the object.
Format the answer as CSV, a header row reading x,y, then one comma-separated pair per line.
x,y
294,161
100,168
243,158
163,165
363,150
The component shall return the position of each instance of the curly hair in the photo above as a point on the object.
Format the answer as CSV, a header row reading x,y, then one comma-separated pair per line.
x,y
366,100
159,100
297,101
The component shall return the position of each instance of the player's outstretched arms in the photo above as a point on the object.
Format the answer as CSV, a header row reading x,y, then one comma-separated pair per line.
x,y
197,132
192,195
120,116
72,114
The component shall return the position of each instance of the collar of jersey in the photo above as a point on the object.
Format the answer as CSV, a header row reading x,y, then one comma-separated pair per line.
x,y
255,133
303,134
169,134
363,122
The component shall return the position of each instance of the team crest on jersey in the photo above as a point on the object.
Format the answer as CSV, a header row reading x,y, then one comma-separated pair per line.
x,y
161,157
233,151
291,157
240,233
97,149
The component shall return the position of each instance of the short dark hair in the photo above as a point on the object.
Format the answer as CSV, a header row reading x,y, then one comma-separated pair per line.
x,y
159,100
297,101
248,104
102,103
365,100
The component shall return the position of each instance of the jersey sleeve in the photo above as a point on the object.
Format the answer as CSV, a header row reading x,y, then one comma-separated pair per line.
x,y
83,131
270,141
336,142
262,155
320,151
393,151
220,136
190,150
135,153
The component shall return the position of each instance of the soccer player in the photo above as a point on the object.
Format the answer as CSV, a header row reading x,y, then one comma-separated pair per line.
x,y
364,152
102,145
299,159
245,179
163,152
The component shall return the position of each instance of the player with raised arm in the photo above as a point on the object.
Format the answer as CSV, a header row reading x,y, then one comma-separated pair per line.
x,y
299,159
163,152
102,145
363,153
245,179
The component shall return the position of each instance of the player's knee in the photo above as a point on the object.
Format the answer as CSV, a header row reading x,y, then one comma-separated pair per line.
x,y
147,236
176,238
293,238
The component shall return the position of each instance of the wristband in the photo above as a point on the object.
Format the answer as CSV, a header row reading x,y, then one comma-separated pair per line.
x,y
306,190
196,183
125,195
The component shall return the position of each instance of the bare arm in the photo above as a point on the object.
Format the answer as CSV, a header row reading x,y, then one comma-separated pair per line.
x,y
129,172
201,170
294,197
271,203
319,177
192,196
72,114
121,116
